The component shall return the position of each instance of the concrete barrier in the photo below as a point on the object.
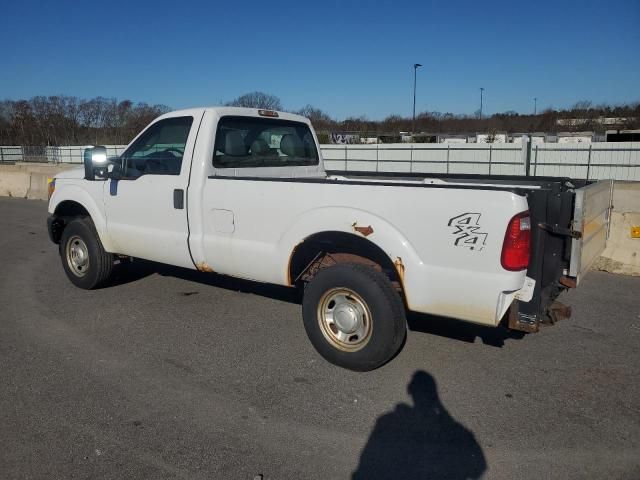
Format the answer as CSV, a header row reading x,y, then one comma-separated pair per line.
x,y
27,180
622,254
13,183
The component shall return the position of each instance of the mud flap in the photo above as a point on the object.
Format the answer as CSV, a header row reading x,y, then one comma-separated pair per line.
x,y
525,322
521,321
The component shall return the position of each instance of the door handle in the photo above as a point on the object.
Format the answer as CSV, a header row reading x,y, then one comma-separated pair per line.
x,y
178,199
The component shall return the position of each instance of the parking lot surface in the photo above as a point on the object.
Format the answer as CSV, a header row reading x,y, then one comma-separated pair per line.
x,y
170,373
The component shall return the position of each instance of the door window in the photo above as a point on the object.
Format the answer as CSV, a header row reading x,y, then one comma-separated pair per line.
x,y
159,150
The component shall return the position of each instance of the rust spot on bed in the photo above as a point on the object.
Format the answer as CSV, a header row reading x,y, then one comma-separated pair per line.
x,y
366,231
204,267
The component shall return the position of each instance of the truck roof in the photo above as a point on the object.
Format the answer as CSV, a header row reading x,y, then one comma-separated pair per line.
x,y
235,111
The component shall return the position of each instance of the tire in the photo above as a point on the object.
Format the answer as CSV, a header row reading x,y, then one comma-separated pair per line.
x,y
339,303
84,259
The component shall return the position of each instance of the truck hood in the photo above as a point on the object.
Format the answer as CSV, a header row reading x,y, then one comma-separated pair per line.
x,y
75,173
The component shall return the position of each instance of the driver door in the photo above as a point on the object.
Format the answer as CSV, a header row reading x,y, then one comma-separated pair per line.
x,y
146,208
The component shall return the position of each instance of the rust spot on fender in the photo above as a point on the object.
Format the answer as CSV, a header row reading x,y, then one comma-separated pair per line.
x,y
399,268
291,281
204,267
366,231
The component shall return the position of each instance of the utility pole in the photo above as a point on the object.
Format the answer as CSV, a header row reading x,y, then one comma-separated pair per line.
x,y
535,105
413,124
481,91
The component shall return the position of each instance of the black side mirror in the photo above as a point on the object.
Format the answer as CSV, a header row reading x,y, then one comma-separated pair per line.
x,y
95,160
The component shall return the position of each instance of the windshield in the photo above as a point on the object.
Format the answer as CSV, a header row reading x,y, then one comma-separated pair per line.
x,y
243,142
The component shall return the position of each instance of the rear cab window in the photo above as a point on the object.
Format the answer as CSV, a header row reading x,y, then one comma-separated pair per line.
x,y
248,142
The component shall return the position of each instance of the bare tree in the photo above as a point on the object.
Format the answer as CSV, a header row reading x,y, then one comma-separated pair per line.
x,y
257,100
320,120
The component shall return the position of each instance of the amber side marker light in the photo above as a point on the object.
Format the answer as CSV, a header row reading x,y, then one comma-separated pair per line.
x,y
635,231
267,113
51,186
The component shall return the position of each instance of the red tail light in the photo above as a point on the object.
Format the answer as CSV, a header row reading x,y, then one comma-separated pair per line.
x,y
517,241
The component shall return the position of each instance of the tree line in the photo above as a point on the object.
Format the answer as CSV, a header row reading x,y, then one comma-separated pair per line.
x,y
66,120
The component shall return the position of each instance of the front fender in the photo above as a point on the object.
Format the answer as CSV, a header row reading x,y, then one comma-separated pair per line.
x,y
79,195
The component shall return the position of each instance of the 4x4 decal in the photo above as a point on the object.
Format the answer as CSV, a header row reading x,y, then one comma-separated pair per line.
x,y
467,232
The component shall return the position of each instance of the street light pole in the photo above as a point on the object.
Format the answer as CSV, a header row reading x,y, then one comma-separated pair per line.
x,y
481,91
413,123
535,105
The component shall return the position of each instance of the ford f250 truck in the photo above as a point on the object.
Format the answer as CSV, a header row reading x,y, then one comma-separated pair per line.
x,y
243,192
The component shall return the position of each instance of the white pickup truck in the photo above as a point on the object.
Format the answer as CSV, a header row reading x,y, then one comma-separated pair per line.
x,y
243,192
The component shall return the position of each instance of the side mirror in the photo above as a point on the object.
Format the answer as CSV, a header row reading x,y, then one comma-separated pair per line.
x,y
95,160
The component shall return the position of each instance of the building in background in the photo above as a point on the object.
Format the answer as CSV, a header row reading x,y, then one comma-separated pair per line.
x,y
575,137
622,136
452,138
535,138
497,137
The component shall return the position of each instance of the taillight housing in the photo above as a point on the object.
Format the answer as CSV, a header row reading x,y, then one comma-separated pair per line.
x,y
517,243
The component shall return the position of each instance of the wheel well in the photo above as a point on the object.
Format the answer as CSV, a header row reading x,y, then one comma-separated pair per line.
x,y
65,212
69,208
340,247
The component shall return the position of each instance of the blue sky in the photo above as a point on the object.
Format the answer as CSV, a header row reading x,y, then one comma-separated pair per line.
x,y
348,58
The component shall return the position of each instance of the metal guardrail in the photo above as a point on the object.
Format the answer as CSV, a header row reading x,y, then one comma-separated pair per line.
x,y
54,155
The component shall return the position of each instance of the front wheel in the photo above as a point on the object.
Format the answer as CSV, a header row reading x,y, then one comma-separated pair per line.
x,y
84,259
354,317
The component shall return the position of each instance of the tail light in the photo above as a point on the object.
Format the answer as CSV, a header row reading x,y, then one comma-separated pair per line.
x,y
517,242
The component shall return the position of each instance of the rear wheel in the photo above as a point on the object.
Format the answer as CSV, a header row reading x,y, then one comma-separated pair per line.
x,y
84,259
353,316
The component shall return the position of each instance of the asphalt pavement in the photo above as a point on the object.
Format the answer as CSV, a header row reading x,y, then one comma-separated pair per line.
x,y
170,373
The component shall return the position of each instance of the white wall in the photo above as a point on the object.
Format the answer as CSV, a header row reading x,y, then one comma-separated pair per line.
x,y
620,161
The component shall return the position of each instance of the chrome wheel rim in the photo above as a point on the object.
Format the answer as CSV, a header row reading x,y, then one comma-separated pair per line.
x,y
345,319
77,255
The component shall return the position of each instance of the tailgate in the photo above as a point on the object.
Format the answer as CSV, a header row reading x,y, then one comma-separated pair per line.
x,y
591,216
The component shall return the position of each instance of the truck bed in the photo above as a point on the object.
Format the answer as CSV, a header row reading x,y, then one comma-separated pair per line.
x,y
569,226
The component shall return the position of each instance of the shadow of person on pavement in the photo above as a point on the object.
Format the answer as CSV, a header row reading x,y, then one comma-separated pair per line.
x,y
420,441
